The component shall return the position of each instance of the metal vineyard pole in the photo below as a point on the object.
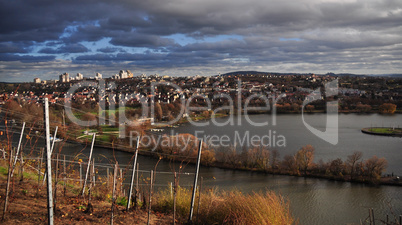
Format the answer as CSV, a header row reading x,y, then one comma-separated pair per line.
x,y
11,166
48,164
88,165
18,149
133,174
51,151
197,169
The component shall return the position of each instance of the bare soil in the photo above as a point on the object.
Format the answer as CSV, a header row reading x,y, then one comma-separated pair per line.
x,y
26,206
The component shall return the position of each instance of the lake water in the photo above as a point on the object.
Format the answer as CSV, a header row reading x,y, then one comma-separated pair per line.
x,y
296,134
313,201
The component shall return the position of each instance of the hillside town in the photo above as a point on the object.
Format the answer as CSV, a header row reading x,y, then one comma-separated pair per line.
x,y
355,93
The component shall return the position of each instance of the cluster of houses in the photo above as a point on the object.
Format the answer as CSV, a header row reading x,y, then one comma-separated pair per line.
x,y
218,89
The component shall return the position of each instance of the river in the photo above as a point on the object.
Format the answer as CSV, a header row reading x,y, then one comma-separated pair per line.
x,y
313,201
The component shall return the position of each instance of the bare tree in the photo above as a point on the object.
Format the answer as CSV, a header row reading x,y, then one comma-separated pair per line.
x,y
304,158
158,111
351,162
289,163
375,166
275,160
336,167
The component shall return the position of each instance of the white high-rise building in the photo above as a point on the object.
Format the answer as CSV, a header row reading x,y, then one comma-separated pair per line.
x,y
65,77
123,74
79,76
98,76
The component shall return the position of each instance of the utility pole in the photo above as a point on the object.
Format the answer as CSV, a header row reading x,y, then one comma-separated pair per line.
x,y
48,164
197,169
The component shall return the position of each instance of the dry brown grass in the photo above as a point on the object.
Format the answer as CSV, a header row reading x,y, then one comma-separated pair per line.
x,y
231,207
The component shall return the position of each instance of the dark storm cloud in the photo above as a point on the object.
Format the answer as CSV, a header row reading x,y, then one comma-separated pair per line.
x,y
157,60
318,33
69,48
141,40
9,47
120,57
47,21
25,58
110,50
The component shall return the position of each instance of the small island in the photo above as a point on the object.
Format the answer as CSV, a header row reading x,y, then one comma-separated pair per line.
x,y
383,131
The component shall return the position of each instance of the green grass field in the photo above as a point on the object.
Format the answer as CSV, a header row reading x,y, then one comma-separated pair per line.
x,y
385,130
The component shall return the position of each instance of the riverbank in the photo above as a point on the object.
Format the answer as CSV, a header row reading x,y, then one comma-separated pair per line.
x,y
385,180
312,172
28,205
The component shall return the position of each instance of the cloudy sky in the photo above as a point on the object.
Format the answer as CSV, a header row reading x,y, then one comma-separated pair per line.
x,y
44,38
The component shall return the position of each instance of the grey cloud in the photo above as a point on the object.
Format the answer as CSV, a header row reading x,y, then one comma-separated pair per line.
x,y
120,57
69,48
73,48
140,40
25,58
9,47
110,50
305,32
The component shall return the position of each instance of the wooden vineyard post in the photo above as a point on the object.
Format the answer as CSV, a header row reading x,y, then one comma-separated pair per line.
x,y
372,215
10,162
121,183
199,197
80,174
174,197
56,178
65,176
137,188
150,196
107,176
40,168
21,168
114,191
171,190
